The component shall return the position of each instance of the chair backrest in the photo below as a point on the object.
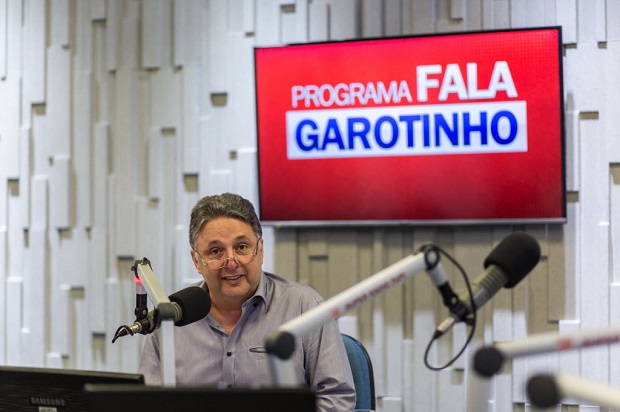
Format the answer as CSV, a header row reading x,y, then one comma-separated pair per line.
x,y
363,377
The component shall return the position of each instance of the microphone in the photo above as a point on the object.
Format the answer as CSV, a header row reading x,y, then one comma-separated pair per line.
x,y
511,260
190,305
546,391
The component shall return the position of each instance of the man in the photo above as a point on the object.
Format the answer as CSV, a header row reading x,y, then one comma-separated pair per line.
x,y
226,348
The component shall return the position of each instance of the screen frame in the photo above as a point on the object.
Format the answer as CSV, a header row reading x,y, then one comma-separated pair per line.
x,y
427,222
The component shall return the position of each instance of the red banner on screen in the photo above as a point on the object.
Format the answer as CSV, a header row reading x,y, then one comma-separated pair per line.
x,y
444,128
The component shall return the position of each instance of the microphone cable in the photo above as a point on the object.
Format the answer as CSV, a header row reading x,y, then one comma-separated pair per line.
x,y
469,321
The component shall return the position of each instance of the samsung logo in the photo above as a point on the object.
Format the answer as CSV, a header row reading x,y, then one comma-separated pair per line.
x,y
44,401
464,128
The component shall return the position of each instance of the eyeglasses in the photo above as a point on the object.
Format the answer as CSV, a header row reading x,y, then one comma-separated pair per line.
x,y
240,257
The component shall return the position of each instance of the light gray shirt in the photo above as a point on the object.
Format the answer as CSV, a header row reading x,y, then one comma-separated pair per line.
x,y
206,355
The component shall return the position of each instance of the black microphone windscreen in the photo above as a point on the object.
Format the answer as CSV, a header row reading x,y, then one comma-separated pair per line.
x,y
195,304
516,255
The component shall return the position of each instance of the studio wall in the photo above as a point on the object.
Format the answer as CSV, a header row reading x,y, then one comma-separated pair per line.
x,y
116,116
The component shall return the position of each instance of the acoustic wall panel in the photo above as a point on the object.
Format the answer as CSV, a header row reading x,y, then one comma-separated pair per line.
x,y
60,23
34,54
81,81
4,28
318,18
10,126
152,33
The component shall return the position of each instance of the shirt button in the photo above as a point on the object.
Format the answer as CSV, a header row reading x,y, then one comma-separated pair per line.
x,y
228,353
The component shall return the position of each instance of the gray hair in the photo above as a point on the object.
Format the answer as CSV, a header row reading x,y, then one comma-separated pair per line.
x,y
225,205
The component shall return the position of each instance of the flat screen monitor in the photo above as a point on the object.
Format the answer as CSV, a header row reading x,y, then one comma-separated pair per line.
x,y
450,128
53,390
106,398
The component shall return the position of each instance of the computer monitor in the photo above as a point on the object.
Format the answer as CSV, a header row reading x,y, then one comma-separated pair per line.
x,y
105,398
53,390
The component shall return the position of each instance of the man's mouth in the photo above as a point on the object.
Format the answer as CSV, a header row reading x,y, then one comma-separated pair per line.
x,y
232,277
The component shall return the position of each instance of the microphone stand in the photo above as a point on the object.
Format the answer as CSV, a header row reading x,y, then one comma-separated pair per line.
x,y
164,317
281,343
489,360
546,391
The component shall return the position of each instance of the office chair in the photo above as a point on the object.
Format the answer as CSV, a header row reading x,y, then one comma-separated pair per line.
x,y
361,366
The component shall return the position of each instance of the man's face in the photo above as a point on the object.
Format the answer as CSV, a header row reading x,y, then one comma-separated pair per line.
x,y
226,238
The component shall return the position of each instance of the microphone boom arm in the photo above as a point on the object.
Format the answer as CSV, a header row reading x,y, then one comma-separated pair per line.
x,y
281,343
164,316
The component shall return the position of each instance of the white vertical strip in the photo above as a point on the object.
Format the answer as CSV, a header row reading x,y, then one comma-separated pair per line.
x,y
218,49
81,334
113,26
612,14
267,22
3,276
154,166
289,27
249,12
244,174
60,192
594,245
14,304
36,289
166,99
343,22
409,382
4,29
566,16
10,95
191,120
393,18
372,18
24,174
572,150
58,112
179,9
59,25
60,322
40,203
34,53
600,18
318,18
100,170
98,9
152,33
95,277
614,350
82,156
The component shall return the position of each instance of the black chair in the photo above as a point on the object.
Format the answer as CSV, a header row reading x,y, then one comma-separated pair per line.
x,y
363,377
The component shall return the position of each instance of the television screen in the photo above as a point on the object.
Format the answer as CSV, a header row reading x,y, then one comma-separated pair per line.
x,y
59,390
453,128
105,398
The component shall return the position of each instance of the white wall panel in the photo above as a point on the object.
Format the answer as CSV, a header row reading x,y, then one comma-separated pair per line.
x,y
14,300
10,126
98,9
116,155
34,54
318,17
59,23
4,28
3,288
567,18
152,33
60,192
112,34
372,18
343,23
